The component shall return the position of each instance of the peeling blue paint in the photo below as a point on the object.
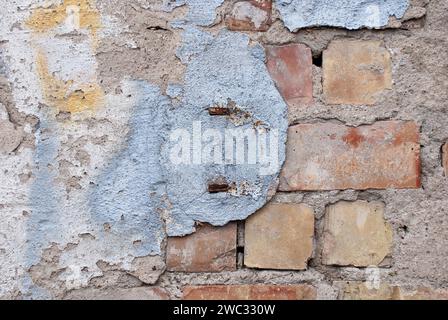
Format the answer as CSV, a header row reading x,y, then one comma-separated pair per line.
x,y
228,68
30,290
349,14
223,69
202,13
141,196
43,225
194,41
128,195
174,90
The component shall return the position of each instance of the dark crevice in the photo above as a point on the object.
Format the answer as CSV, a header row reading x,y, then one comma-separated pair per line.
x,y
157,28
218,187
317,60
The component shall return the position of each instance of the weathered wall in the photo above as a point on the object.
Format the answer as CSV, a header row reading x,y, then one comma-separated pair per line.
x,y
92,205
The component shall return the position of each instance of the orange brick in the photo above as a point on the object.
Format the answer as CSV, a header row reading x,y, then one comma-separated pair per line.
x,y
209,249
328,156
250,292
287,241
356,234
354,72
290,67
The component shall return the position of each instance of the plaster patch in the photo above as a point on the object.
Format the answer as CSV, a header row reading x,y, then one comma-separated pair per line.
x,y
64,95
349,14
230,71
69,15
66,67
200,13
128,196
246,11
84,229
194,41
44,224
174,90
160,5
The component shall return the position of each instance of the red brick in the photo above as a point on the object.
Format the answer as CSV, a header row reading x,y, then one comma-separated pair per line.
x,y
290,67
251,15
250,292
209,249
328,156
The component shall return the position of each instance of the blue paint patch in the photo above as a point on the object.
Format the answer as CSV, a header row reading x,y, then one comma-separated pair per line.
x,y
349,14
128,195
44,225
228,69
225,69
257,52
30,290
140,193
194,41
174,90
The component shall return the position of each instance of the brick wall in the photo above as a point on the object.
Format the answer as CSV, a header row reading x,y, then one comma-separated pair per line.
x,y
349,238
359,211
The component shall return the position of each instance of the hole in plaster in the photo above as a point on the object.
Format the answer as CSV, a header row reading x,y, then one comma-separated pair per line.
x,y
218,187
317,60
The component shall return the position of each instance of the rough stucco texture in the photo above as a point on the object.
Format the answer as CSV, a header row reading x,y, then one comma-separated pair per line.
x,y
91,92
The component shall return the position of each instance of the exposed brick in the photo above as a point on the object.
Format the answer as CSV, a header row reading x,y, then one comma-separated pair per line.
x,y
445,158
366,291
209,249
355,233
354,72
251,15
279,236
290,67
328,156
140,293
250,292
425,294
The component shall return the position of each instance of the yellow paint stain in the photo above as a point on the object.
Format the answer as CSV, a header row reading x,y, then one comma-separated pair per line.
x,y
44,19
67,95
62,95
